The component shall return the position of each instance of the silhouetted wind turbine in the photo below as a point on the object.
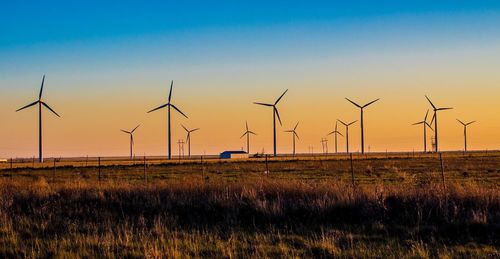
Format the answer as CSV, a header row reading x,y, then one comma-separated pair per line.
x,y
247,133
347,133
465,132
40,103
335,132
169,105
294,134
188,138
425,124
434,118
275,114
131,133
362,128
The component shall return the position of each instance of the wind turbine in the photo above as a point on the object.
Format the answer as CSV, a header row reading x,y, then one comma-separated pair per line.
x,y
465,132
324,144
335,132
131,133
247,133
188,138
434,118
275,114
362,128
425,124
294,134
347,133
40,103
169,105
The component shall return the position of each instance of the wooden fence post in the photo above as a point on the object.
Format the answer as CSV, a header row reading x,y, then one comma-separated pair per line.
x,y
267,166
99,168
442,170
352,171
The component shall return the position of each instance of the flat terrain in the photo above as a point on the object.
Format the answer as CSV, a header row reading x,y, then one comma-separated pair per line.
x,y
399,205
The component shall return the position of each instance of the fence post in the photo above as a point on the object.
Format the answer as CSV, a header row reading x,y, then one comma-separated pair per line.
x,y
202,168
442,170
99,168
352,171
145,176
267,166
54,172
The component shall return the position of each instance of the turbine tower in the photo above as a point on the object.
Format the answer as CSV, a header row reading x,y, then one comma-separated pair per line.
x,y
40,104
347,133
247,133
362,128
335,132
425,125
188,138
275,114
169,105
294,134
434,118
465,132
131,133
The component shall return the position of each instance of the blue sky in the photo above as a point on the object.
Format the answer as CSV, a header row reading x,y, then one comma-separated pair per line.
x,y
107,62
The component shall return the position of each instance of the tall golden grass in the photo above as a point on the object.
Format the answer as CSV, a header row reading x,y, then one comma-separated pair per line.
x,y
252,217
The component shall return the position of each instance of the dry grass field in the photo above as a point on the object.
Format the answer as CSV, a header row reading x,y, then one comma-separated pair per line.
x,y
305,207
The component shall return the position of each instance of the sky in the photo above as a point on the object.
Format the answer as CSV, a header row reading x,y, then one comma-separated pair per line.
x,y
109,62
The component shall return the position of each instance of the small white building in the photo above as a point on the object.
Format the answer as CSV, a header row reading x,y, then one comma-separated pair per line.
x,y
233,155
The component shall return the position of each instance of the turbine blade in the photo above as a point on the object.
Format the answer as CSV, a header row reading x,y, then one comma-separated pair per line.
x,y
163,106
288,131
173,106
185,128
170,93
370,102
461,122
265,104
296,135
428,125
296,125
41,88
278,115
339,133
125,131
246,124
244,134
352,123
330,133
420,122
470,122
442,109
281,97
353,103
29,105
430,102
135,128
195,129
48,107
433,117
251,132
427,113
341,122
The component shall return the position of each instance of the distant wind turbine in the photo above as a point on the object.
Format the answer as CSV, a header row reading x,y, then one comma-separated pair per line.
x,y
434,118
324,144
247,133
362,128
40,103
335,132
425,125
294,134
131,133
347,133
188,138
169,105
465,132
275,114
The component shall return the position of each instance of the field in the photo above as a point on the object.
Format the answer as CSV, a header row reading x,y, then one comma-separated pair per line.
x,y
384,205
